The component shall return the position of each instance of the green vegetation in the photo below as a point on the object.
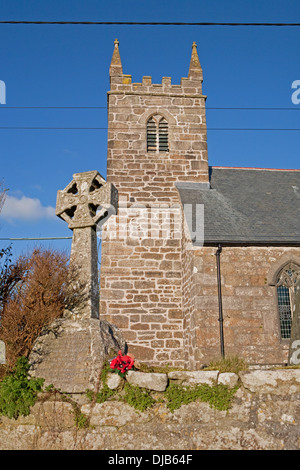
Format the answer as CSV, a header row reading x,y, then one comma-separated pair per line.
x,y
105,392
218,396
137,397
229,364
18,392
102,396
165,369
80,419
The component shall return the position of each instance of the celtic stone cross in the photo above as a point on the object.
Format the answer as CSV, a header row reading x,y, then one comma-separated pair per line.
x,y
85,204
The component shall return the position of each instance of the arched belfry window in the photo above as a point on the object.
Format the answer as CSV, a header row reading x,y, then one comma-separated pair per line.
x,y
157,134
286,283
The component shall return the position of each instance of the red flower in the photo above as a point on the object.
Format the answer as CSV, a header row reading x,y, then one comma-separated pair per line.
x,y
122,363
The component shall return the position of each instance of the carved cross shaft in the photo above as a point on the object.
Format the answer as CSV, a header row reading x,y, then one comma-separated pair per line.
x,y
85,203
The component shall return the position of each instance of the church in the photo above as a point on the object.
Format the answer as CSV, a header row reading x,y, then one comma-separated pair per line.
x,y
199,262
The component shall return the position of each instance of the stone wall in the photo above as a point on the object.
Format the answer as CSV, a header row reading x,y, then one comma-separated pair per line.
x,y
251,320
191,357
141,293
128,162
265,415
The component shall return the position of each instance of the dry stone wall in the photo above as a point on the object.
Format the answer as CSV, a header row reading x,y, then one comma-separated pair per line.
x,y
265,415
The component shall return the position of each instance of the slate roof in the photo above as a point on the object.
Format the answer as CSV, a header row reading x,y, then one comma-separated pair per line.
x,y
245,206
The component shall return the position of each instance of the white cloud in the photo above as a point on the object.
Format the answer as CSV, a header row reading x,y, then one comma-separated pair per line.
x,y
25,208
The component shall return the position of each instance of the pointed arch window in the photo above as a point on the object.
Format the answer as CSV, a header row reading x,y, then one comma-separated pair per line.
x,y
157,134
287,280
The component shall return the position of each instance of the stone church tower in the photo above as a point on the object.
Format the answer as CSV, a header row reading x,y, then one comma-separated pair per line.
x,y
156,140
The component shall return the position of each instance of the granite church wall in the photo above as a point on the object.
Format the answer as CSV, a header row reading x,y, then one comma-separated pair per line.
x,y
249,301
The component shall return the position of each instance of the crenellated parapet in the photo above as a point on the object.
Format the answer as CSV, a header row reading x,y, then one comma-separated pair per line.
x,y
191,85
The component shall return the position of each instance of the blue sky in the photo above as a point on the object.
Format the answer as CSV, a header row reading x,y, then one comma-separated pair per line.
x,y
67,66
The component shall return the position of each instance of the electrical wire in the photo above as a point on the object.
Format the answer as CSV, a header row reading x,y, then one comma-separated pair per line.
x,y
53,107
106,128
41,238
146,23
124,106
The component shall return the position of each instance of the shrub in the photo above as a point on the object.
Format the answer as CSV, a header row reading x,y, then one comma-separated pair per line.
x,y
17,392
41,289
11,275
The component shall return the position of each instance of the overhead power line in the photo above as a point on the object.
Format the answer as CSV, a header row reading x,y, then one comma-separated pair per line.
x,y
54,128
106,128
250,129
254,109
146,23
41,238
53,107
105,107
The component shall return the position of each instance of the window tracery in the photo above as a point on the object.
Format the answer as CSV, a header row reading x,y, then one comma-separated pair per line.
x,y
287,280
